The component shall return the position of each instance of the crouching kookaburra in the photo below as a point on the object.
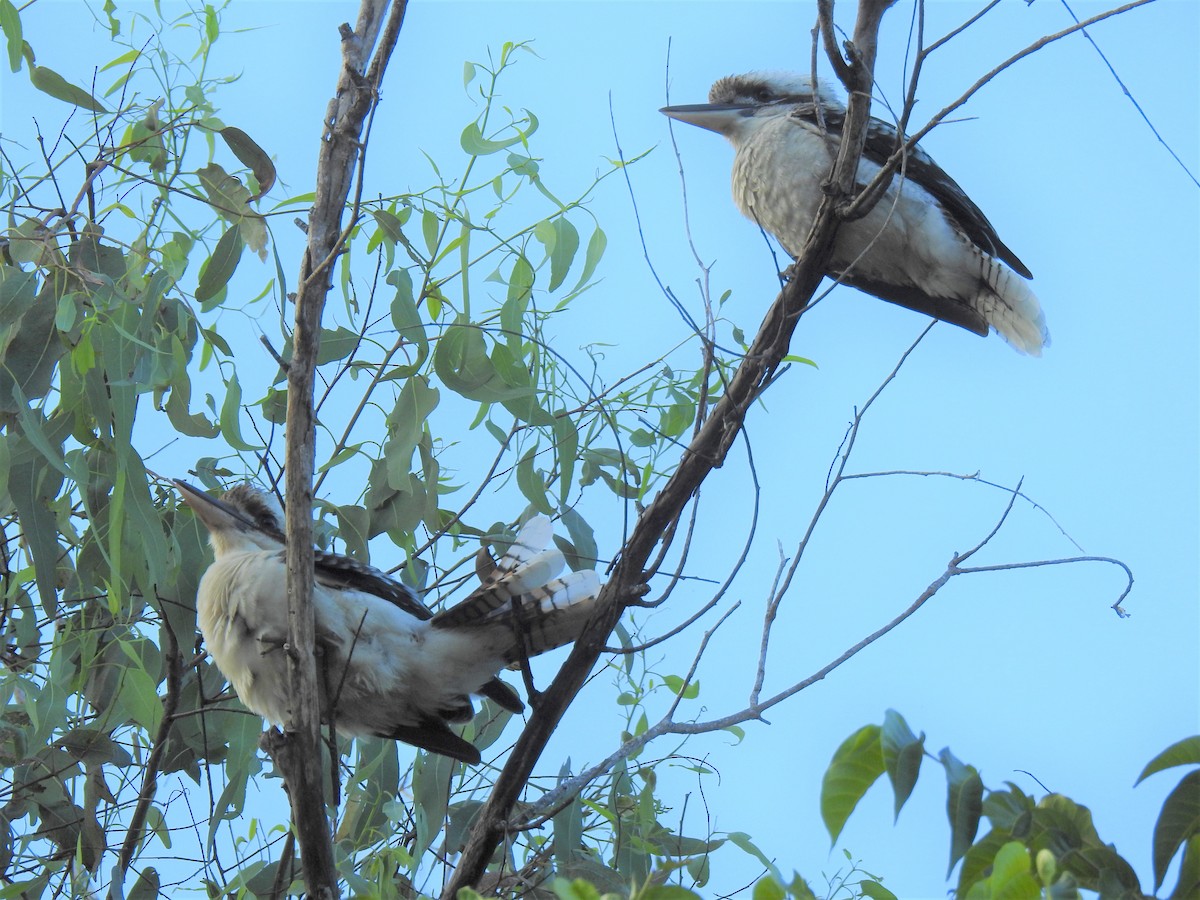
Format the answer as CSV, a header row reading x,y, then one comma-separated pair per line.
x,y
925,245
390,667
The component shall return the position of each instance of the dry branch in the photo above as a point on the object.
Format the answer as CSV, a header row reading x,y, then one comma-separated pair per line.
x,y
341,155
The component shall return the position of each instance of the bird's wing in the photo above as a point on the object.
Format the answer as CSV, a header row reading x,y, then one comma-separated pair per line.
x,y
882,141
346,573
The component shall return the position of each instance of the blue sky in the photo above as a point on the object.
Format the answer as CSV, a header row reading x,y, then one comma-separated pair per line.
x,y
1025,670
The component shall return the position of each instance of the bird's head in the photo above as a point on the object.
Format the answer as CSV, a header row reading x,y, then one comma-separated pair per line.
x,y
244,518
738,104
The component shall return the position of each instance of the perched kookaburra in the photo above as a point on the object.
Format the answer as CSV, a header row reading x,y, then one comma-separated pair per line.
x,y
924,245
390,666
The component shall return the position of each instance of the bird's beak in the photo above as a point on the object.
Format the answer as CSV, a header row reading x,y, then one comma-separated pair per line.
x,y
217,515
721,118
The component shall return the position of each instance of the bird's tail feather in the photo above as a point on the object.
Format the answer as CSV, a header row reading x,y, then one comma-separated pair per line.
x,y
551,615
522,591
1011,308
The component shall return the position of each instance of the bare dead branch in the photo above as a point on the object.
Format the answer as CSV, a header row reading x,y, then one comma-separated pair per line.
x,y
870,194
298,754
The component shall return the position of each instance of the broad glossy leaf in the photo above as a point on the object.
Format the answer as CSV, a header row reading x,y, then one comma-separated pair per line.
x,y
1188,885
902,755
1181,753
964,804
856,765
1178,822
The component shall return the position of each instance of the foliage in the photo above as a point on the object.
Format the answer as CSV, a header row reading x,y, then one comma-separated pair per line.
x,y
446,414
124,305
1034,848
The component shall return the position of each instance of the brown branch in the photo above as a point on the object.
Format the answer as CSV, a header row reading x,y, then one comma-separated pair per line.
x,y
341,153
705,453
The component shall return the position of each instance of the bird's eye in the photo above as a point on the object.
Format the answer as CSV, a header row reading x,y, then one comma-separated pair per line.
x,y
763,95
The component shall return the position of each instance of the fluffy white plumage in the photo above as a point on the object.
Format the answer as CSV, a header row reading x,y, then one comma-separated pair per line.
x,y
924,245
392,668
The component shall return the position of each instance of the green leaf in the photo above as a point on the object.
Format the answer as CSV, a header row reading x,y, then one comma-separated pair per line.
x,y
147,886
390,225
336,343
475,144
50,82
1188,886
431,774
212,28
512,313
583,539
690,691
10,23
532,484
1178,822
568,826
30,346
1181,753
566,245
595,251
856,765
138,698
406,425
462,363
219,267
964,805
742,840
1010,878
429,230
902,755
231,200
875,891
252,156
32,485
231,410
768,889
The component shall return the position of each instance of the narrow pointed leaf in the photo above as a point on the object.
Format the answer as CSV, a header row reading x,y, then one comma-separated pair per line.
x,y
221,265
566,245
50,82
252,156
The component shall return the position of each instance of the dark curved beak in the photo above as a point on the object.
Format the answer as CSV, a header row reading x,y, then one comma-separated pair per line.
x,y
216,515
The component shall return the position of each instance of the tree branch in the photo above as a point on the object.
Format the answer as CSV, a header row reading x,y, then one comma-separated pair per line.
x,y
298,754
705,453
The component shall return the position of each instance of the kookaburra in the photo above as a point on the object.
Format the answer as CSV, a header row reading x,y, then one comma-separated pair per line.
x,y
924,245
390,667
